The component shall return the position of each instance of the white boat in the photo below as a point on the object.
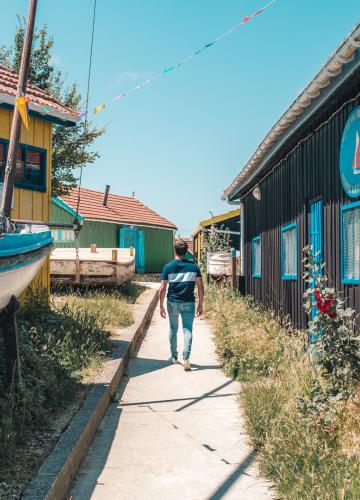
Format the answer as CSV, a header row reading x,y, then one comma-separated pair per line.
x,y
21,256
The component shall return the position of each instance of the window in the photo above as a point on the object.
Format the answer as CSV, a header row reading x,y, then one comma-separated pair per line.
x,y
289,252
30,166
256,257
350,243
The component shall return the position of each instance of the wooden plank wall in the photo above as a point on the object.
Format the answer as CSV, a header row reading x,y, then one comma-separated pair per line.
x,y
31,204
310,173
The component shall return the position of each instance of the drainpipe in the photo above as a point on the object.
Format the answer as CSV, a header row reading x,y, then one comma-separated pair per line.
x,y
242,243
242,239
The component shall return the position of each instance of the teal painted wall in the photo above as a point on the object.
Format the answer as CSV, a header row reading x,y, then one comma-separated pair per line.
x,y
158,248
104,234
158,242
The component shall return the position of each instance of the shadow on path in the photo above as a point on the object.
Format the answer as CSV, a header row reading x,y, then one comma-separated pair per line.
x,y
233,477
206,395
194,399
148,365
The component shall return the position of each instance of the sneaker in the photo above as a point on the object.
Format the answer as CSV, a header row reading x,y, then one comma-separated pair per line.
x,y
187,366
174,360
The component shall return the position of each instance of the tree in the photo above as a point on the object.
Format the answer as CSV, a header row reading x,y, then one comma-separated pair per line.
x,y
70,144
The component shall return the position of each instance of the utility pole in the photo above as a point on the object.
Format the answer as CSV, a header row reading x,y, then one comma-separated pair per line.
x,y
9,177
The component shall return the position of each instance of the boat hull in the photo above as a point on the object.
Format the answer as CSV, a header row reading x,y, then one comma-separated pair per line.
x,y
21,258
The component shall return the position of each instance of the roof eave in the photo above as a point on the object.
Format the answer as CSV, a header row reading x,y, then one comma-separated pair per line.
x,y
321,87
54,116
134,222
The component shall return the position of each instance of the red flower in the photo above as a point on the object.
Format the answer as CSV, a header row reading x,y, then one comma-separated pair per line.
x,y
324,305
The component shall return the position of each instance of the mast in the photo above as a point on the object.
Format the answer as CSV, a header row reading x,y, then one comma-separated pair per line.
x,y
9,177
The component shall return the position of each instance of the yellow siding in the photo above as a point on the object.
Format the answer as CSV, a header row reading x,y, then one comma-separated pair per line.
x,y
30,204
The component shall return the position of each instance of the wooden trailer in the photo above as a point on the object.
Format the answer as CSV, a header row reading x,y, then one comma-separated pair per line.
x,y
96,266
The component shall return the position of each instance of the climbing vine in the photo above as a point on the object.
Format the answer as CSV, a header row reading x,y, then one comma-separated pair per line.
x,y
214,241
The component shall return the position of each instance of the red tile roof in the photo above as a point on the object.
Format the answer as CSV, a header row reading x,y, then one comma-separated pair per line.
x,y
118,209
38,98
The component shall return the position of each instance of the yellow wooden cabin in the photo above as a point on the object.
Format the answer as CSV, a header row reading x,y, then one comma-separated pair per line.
x,y
32,193
229,221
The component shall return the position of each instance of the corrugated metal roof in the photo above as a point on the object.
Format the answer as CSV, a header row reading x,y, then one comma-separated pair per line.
x,y
38,98
120,209
314,90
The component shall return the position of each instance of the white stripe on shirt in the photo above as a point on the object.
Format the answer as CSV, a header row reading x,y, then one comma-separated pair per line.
x,y
181,277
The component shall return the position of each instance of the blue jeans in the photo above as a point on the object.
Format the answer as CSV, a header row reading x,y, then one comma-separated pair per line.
x,y
187,312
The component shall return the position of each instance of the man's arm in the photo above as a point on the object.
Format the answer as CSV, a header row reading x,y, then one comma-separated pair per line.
x,y
163,287
201,294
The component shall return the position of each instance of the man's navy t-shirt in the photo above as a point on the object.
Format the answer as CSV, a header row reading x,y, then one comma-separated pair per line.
x,y
181,275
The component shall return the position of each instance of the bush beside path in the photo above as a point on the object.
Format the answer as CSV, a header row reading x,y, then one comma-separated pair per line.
x,y
308,441
64,343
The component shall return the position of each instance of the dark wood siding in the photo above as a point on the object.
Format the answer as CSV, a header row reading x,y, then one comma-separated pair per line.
x,y
311,172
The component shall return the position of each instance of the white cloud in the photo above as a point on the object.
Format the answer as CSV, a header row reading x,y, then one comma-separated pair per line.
x,y
126,76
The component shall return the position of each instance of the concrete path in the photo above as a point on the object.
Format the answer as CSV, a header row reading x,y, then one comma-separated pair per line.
x,y
175,435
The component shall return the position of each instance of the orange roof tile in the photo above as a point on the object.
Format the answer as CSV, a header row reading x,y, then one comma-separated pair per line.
x,y
38,98
121,209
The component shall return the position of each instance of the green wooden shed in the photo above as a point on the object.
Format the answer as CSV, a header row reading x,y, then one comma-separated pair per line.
x,y
114,221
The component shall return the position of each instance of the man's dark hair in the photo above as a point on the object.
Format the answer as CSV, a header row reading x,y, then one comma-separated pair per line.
x,y
180,247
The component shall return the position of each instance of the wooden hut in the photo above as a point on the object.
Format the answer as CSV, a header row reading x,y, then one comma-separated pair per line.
x,y
33,171
229,221
302,186
114,221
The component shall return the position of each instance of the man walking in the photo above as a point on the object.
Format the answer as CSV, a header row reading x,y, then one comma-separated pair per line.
x,y
181,274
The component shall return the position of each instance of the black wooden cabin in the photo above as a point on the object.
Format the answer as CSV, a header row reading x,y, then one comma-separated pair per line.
x,y
302,186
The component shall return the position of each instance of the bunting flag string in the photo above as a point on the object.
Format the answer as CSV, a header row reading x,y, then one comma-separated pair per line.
x,y
22,105
194,54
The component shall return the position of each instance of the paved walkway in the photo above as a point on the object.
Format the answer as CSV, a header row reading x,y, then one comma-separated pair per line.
x,y
175,435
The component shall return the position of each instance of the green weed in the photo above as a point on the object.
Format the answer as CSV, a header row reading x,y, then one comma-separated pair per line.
x,y
306,454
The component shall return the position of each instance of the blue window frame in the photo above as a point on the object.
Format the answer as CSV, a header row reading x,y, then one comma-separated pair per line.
x,y
30,166
350,243
289,252
317,245
256,257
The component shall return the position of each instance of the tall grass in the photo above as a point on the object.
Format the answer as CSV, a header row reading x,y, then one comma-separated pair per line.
x,y
305,459
57,345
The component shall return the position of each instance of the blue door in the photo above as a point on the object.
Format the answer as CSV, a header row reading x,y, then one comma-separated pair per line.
x,y
133,237
317,238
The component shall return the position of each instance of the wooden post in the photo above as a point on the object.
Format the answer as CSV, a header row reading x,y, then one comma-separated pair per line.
x,y
8,326
10,169
233,268
114,255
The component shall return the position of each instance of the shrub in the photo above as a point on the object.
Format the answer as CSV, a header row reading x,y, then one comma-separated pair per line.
x,y
303,423
56,345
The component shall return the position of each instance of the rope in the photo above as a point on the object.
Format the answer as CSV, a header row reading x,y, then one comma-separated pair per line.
x,y
86,107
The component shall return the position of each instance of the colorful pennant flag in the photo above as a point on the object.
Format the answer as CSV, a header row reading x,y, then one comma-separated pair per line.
x,y
22,105
99,108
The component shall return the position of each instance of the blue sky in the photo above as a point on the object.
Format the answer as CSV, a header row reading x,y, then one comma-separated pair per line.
x,y
180,141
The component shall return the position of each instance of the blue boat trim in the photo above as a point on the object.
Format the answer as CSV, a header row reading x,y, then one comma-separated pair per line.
x,y
16,244
20,264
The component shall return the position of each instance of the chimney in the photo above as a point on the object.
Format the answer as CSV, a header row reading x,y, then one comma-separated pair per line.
x,y
106,194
